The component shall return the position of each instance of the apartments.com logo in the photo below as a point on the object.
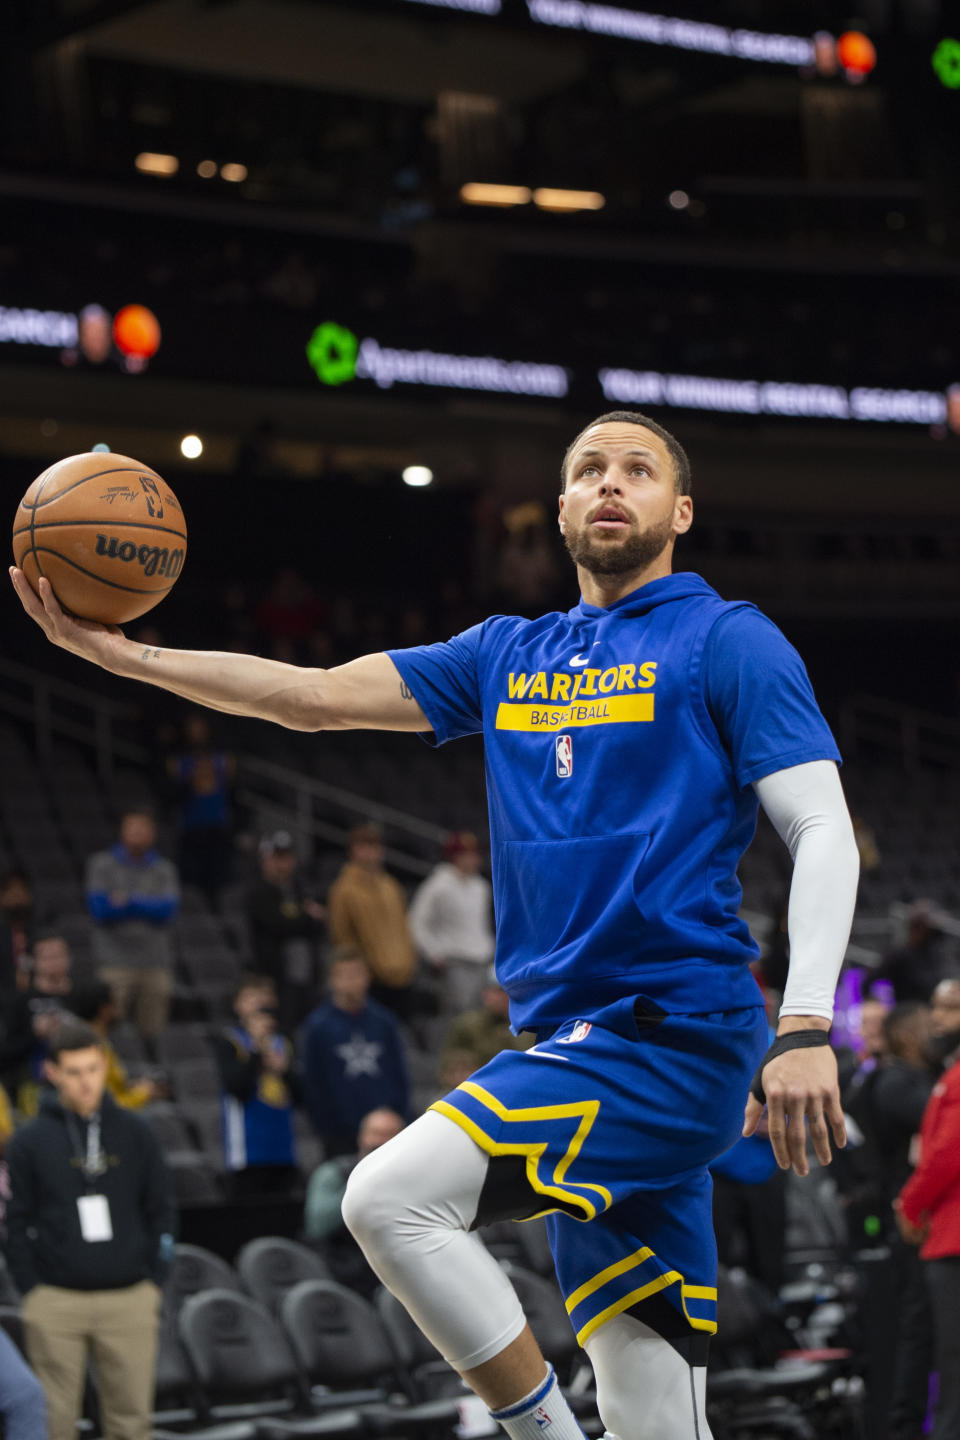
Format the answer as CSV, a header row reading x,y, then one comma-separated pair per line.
x,y
336,355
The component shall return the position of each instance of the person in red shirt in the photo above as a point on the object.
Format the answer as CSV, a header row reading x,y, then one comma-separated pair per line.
x,y
928,1207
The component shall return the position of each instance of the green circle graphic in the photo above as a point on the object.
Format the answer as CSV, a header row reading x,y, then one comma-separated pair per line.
x,y
332,353
946,63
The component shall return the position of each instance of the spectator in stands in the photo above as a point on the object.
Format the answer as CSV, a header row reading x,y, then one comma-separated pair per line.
x,y
260,1088
133,895
285,927
89,1224
16,932
916,967
888,1106
351,1057
944,1021
323,1219
203,776
95,1005
451,922
928,1215
23,1403
873,1039
34,1017
473,1039
368,912
857,1060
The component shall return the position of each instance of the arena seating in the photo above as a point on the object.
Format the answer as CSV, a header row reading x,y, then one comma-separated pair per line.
x,y
53,814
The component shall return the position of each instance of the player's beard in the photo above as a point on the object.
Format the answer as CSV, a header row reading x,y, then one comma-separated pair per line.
x,y
637,550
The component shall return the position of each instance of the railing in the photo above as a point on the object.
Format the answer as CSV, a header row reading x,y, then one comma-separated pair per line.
x,y
55,710
276,791
915,737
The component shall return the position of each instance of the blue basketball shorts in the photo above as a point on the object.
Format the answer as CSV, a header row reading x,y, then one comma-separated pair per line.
x,y
607,1128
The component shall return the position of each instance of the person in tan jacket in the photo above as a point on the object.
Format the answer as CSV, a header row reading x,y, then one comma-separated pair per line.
x,y
367,910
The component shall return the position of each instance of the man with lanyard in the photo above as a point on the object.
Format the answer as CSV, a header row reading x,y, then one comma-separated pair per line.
x,y
89,1236
628,744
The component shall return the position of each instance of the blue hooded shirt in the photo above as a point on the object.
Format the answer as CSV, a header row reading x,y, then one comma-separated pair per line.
x,y
621,744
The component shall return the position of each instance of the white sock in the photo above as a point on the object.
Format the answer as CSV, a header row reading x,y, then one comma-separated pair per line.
x,y
543,1413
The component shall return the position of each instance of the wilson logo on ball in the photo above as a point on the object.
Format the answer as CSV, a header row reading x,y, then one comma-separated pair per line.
x,y
155,561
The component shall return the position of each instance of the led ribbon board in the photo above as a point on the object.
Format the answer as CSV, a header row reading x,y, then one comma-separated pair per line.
x,y
336,356
469,7
53,328
772,397
701,36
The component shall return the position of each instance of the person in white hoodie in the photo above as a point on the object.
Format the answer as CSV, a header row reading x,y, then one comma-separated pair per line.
x,y
451,920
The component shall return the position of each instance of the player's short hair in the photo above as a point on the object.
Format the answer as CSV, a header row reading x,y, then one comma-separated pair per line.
x,y
73,1035
682,480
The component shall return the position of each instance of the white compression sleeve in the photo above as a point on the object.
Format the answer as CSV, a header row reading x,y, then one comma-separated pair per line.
x,y
808,811
410,1205
645,1389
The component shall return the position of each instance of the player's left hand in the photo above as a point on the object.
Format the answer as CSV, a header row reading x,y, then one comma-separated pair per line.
x,y
800,1085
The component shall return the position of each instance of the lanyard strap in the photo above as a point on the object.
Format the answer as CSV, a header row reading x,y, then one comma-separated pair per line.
x,y
91,1164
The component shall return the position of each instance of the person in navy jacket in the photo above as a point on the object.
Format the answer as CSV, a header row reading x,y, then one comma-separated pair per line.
x,y
351,1056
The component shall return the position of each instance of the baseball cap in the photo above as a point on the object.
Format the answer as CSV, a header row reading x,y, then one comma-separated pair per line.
x,y
275,843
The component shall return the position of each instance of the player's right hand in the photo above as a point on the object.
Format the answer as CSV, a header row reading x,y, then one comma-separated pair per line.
x,y
86,638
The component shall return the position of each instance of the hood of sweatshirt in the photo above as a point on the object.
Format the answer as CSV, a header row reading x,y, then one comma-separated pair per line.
x,y
590,621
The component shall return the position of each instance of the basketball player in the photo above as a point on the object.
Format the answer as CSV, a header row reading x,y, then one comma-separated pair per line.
x,y
628,744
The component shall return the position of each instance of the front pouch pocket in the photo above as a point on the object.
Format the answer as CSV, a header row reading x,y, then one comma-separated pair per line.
x,y
560,893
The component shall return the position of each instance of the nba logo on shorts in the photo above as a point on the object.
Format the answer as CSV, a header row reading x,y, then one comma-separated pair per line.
x,y
564,756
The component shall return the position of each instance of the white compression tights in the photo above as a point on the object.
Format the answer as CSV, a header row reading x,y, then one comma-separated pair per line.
x,y
410,1205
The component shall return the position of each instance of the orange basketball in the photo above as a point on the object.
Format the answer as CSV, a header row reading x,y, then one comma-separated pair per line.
x,y
106,532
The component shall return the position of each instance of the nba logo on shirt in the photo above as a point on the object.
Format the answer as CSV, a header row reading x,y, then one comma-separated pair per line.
x,y
564,756
580,1031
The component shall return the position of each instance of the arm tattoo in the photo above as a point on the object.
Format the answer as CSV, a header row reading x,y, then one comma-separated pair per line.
x,y
149,654
405,691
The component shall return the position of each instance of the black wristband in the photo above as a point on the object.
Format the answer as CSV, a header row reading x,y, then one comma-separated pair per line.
x,y
795,1040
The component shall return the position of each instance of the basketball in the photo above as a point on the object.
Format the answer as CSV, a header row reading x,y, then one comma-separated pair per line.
x,y
106,531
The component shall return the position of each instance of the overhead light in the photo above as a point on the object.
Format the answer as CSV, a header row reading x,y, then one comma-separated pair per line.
x,y
678,199
547,199
476,193
233,172
101,448
207,169
148,162
191,447
417,475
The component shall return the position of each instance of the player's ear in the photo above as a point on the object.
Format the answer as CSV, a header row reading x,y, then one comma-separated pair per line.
x,y
682,514
560,519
